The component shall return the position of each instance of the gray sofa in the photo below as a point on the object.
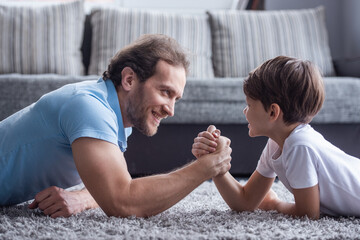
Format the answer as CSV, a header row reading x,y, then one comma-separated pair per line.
x,y
224,46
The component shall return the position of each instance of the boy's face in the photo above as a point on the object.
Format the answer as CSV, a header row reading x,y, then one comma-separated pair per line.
x,y
257,118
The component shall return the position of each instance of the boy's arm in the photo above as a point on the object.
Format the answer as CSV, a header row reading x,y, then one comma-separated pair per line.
x,y
307,203
243,198
238,197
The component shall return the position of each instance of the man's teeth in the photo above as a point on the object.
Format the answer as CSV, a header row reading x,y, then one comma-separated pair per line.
x,y
156,116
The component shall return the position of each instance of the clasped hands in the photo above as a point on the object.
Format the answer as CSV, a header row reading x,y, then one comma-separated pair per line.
x,y
215,148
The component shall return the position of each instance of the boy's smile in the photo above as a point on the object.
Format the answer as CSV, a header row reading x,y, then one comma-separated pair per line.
x,y
257,117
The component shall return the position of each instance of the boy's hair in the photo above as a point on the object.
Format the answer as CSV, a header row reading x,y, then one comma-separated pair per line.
x,y
143,55
295,85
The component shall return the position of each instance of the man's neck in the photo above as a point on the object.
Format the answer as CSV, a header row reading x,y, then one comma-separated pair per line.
x,y
122,102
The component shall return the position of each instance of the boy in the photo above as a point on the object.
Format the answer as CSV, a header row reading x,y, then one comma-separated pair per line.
x,y
283,95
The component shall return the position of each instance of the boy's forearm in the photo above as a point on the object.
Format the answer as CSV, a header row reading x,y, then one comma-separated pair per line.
x,y
243,198
231,191
291,209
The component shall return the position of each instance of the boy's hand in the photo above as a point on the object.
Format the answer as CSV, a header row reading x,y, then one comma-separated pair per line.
x,y
206,142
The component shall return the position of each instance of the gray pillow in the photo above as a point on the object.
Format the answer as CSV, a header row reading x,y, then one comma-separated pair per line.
x,y
242,40
113,29
38,39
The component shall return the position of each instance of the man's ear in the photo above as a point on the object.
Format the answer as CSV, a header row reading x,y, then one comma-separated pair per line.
x,y
128,78
274,111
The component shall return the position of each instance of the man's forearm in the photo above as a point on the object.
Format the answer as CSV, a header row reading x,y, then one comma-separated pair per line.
x,y
151,195
87,201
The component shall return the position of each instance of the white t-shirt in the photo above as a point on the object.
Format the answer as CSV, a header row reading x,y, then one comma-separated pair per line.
x,y
308,159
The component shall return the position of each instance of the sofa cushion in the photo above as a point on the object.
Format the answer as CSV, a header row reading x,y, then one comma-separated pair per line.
x,y
342,101
113,29
39,39
222,101
218,100
242,40
20,90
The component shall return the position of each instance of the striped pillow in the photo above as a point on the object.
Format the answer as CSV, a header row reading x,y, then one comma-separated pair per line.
x,y
242,40
38,39
113,29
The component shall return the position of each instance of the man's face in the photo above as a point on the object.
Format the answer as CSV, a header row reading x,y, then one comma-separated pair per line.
x,y
154,100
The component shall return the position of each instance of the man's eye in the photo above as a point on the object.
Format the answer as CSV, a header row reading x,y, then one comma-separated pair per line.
x,y
166,92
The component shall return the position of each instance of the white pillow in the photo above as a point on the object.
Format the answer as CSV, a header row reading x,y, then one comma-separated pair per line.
x,y
38,39
113,29
242,40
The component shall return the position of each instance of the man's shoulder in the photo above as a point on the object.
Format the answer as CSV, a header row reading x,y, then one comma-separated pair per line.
x,y
86,96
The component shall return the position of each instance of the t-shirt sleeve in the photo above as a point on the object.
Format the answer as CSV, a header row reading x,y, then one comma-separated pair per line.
x,y
87,116
263,166
300,167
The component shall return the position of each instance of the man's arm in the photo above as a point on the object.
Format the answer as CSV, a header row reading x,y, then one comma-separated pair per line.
x,y
103,170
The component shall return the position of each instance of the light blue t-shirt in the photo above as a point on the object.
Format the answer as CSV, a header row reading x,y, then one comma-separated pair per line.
x,y
35,143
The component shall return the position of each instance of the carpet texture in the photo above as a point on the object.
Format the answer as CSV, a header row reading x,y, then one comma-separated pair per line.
x,y
201,215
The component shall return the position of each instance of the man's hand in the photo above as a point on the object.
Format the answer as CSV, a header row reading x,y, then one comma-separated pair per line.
x,y
206,142
57,202
218,162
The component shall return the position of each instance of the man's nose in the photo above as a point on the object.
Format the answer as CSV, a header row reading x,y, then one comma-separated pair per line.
x,y
170,109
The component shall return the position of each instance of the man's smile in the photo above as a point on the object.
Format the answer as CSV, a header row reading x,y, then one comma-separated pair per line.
x,y
157,117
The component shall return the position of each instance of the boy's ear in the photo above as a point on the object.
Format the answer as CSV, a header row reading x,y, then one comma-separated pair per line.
x,y
128,77
274,111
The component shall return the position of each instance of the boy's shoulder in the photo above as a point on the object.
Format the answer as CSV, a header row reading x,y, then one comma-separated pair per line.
x,y
304,135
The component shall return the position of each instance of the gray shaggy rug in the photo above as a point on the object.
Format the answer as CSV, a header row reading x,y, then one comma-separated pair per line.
x,y
201,215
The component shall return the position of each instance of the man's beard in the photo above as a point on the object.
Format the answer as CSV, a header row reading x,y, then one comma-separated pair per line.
x,y
136,113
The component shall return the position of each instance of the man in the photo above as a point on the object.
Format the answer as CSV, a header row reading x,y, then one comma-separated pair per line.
x,y
79,132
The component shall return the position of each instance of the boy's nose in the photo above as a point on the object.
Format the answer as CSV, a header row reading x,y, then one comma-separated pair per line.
x,y
245,110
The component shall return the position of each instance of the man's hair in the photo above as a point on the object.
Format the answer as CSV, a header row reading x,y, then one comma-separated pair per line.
x,y
143,55
295,85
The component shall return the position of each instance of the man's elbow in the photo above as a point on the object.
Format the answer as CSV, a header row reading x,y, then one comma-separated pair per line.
x,y
125,211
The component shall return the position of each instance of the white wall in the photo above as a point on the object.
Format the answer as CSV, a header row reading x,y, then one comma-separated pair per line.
x,y
342,19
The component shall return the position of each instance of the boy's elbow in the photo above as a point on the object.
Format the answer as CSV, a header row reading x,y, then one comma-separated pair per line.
x,y
313,216
237,208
